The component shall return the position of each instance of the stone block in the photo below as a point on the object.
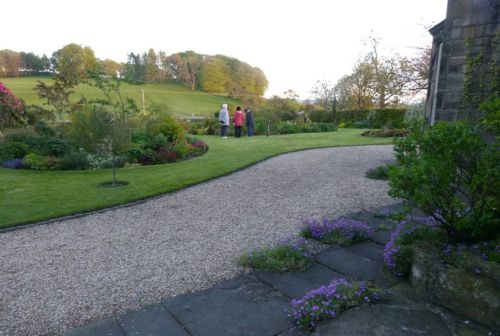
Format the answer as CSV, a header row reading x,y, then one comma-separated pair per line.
x,y
241,308
151,321
296,284
368,249
472,296
383,320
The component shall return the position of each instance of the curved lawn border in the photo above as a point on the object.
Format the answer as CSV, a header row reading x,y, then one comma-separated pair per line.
x,y
110,205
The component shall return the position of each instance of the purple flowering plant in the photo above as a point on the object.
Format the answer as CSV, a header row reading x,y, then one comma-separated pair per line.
x,y
398,252
337,231
329,301
290,255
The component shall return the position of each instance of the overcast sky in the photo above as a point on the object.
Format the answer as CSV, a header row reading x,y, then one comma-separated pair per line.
x,y
295,42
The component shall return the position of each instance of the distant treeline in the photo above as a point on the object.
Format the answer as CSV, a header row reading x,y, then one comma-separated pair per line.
x,y
217,73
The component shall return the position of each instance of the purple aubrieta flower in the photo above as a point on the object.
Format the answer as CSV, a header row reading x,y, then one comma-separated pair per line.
x,y
349,228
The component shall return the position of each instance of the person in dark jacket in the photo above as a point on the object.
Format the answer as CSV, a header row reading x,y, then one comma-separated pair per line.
x,y
249,121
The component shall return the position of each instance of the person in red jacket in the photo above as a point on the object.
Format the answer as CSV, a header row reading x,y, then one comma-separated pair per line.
x,y
238,120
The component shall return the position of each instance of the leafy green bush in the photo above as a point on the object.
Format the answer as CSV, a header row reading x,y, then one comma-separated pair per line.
x,y
284,127
33,161
378,173
13,150
451,173
54,147
288,256
171,128
73,161
181,148
90,128
386,133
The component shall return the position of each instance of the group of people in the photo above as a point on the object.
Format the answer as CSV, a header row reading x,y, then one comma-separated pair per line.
x,y
239,119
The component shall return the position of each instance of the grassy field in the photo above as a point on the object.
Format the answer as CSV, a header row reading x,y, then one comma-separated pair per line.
x,y
29,196
180,100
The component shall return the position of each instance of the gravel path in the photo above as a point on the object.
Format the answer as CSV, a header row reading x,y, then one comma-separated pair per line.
x,y
64,274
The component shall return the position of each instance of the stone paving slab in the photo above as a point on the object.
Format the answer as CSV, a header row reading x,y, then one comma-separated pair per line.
x,y
240,308
371,220
151,321
107,327
384,320
296,284
368,249
354,265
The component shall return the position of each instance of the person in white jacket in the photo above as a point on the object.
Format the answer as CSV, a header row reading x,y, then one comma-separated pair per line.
x,y
224,121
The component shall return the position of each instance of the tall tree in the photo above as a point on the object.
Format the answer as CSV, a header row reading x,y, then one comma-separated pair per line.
x,y
10,63
73,62
324,94
110,67
151,69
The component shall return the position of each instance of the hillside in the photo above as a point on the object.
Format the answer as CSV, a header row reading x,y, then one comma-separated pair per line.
x,y
180,100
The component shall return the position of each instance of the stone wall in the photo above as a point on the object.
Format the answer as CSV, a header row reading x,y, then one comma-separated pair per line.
x,y
470,59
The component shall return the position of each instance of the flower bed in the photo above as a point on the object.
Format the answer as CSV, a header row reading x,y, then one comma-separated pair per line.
x,y
338,231
331,300
290,255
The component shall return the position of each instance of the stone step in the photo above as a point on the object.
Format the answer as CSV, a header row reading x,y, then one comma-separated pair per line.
x,y
296,284
356,266
151,321
383,320
368,249
238,307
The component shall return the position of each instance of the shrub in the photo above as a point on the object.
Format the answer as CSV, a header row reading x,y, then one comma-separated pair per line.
x,y
90,128
13,150
171,128
74,161
451,173
104,161
12,112
284,127
33,161
181,149
378,173
385,133
54,147
398,252
480,259
293,255
338,231
330,301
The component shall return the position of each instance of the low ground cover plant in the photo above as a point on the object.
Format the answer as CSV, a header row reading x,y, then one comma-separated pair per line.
x,y
290,255
337,231
378,173
330,301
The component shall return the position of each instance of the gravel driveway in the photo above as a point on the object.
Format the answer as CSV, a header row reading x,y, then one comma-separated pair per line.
x,y
56,276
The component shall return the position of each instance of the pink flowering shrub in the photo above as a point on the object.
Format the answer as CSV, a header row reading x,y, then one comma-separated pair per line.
x,y
12,112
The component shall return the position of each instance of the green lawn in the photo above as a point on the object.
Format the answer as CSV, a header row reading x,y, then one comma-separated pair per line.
x,y
180,100
29,196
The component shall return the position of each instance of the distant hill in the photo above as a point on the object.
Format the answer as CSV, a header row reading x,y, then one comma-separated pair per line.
x,y
181,101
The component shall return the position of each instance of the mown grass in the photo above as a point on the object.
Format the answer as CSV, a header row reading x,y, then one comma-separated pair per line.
x,y
31,196
179,100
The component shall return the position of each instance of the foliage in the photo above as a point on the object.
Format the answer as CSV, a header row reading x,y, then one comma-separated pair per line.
x,y
293,128
171,128
330,301
385,133
481,259
73,62
90,128
13,150
57,96
491,119
291,255
40,162
451,173
398,252
12,113
378,173
74,161
338,231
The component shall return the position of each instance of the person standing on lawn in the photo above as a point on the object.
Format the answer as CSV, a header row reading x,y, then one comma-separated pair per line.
x,y
238,122
249,120
224,121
